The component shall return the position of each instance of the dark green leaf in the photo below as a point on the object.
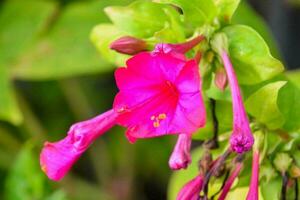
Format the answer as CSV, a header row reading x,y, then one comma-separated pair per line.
x,y
66,51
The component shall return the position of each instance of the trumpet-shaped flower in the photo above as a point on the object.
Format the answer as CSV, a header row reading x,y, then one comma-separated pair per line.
x,y
241,139
160,93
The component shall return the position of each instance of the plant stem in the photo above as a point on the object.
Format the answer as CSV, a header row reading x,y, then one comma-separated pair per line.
x,y
284,186
214,143
296,189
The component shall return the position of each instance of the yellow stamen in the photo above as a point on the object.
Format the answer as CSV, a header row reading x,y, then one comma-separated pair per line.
x,y
162,116
156,124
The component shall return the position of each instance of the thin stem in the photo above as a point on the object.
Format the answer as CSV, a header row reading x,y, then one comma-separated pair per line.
x,y
218,163
284,186
296,189
215,142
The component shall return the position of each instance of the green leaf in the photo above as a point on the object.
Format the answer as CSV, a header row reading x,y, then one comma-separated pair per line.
x,y
224,116
294,77
102,36
241,193
246,15
289,105
196,12
250,55
20,25
271,190
66,51
226,8
25,180
141,18
9,110
263,105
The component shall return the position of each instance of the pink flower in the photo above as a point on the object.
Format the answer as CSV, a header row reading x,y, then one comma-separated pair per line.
x,y
241,139
181,157
230,180
191,190
159,94
253,190
57,158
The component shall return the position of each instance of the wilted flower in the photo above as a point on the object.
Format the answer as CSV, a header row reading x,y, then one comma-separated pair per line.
x,y
181,157
241,139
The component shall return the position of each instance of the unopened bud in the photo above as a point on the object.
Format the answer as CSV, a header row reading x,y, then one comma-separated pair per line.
x,y
129,45
221,78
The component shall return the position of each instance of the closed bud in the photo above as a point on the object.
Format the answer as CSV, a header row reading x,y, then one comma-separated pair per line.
x,y
129,45
221,79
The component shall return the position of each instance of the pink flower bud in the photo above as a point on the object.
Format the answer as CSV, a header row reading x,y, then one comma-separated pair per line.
x,y
221,79
129,45
241,139
191,190
181,157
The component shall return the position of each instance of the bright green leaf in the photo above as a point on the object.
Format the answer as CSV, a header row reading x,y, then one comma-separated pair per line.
x,y
66,51
271,190
196,12
102,36
250,55
141,18
9,109
289,105
263,105
241,193
294,77
226,8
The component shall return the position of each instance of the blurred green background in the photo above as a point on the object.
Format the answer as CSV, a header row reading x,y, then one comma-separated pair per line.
x,y
51,75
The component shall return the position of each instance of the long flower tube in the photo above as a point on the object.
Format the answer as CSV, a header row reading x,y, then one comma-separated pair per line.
x,y
159,94
241,139
253,188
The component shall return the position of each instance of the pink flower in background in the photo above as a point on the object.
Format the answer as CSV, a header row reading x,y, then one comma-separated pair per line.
x,y
241,139
160,93
191,190
181,157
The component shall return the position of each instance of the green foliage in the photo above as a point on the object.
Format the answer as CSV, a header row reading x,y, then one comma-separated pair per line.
x,y
9,109
140,19
263,105
25,180
250,55
226,8
196,12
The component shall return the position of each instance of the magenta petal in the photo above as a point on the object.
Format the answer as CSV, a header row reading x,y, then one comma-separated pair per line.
x,y
57,158
241,139
253,189
191,190
181,158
